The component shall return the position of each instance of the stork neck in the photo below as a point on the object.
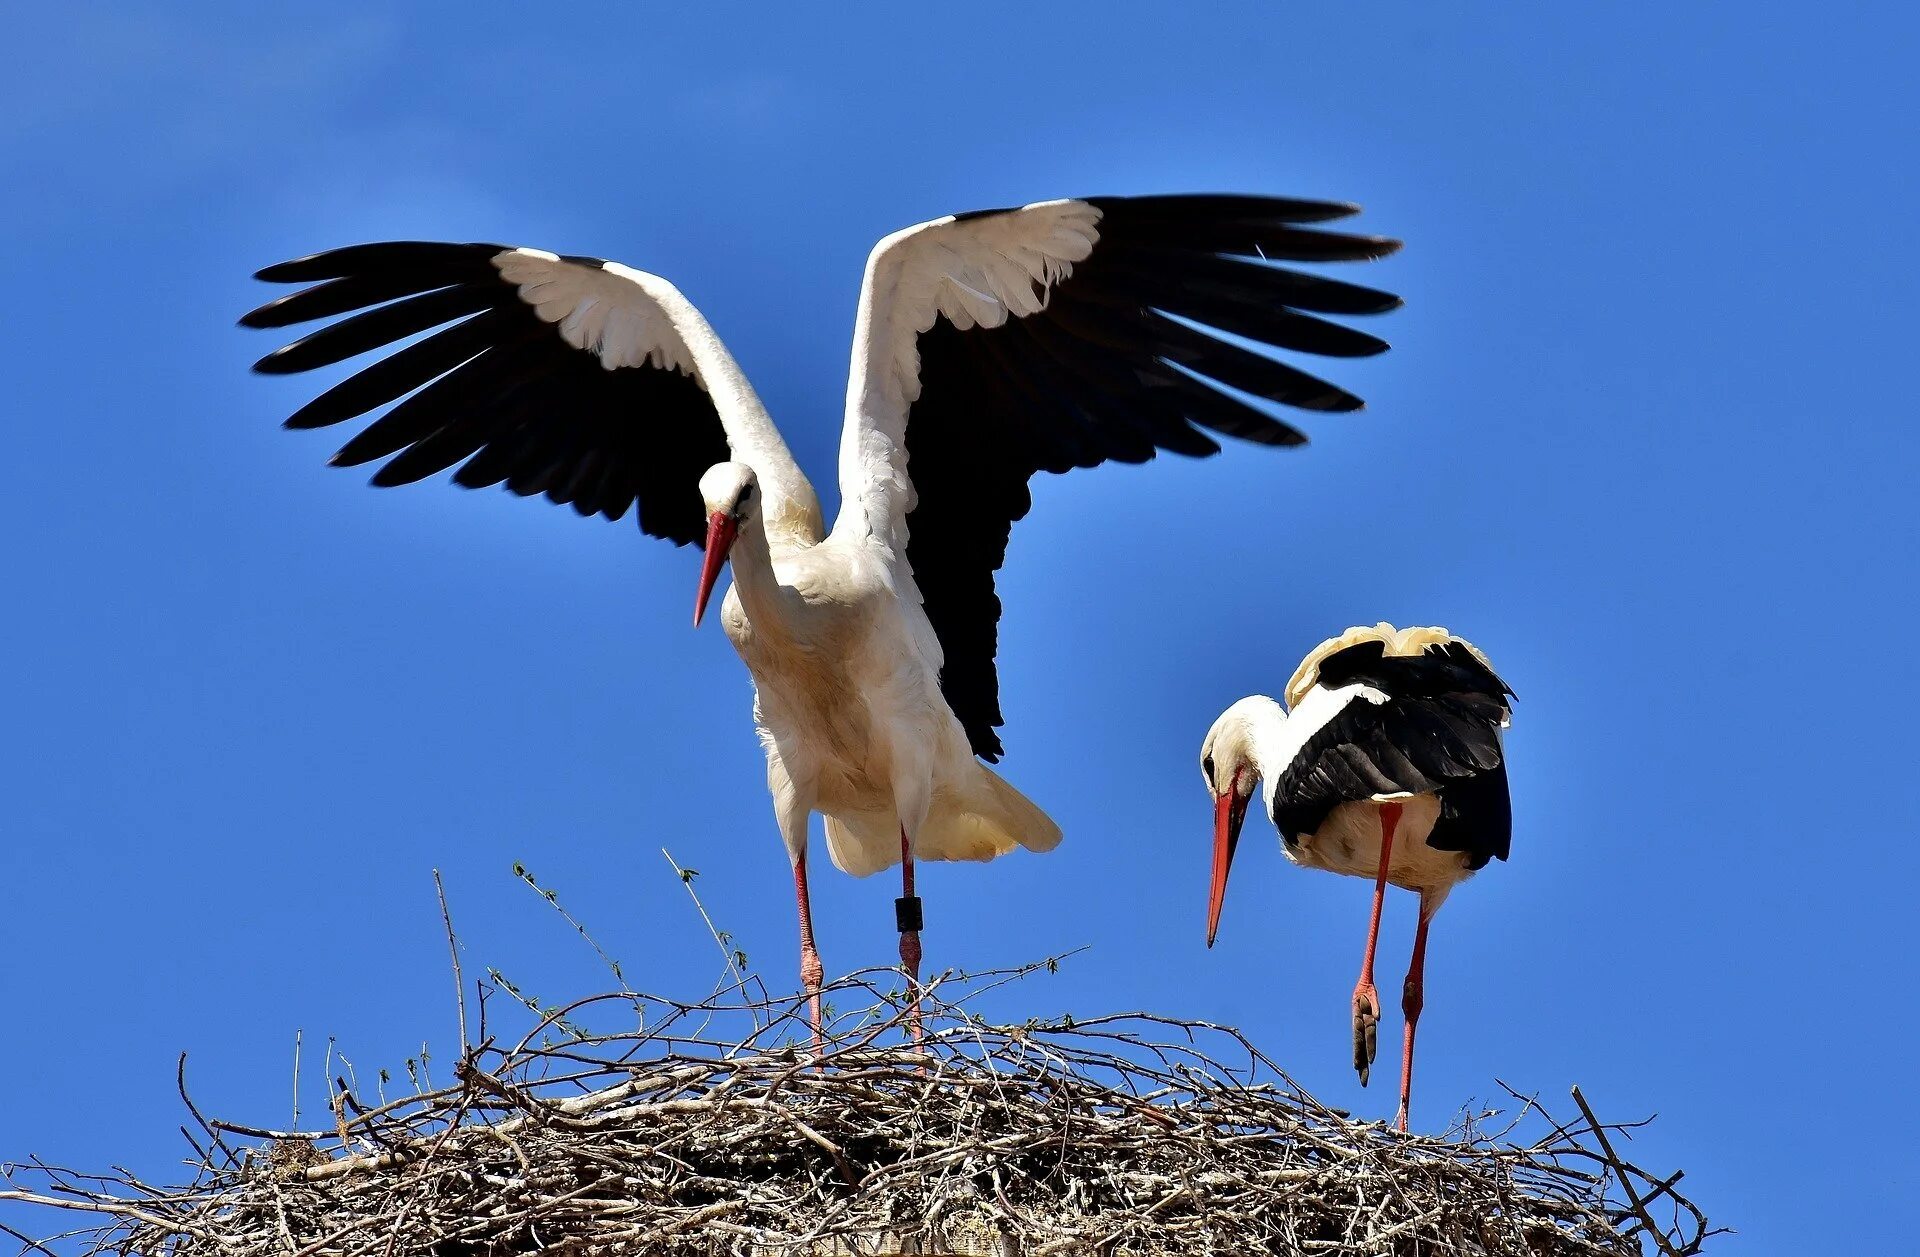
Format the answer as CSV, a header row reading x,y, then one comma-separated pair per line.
x,y
1265,722
761,593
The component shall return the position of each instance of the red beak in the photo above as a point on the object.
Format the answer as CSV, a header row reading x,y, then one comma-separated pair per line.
x,y
721,530
1229,810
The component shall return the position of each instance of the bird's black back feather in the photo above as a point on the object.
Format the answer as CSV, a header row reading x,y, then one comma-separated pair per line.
x,y
1437,733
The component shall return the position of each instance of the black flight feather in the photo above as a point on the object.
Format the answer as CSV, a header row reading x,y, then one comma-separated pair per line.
x,y
1114,368
494,388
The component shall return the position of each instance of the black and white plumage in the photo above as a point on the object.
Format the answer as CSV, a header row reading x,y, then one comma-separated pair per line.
x,y
1102,365
1403,724
1388,763
987,347
546,383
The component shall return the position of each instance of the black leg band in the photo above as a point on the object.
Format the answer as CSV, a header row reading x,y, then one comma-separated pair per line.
x,y
906,913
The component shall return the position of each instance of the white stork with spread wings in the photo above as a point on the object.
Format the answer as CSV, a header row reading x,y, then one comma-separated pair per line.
x,y
988,347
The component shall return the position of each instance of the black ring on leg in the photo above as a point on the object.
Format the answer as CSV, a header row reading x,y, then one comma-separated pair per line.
x,y
906,914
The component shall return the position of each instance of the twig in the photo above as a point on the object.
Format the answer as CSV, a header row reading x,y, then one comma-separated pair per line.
x,y
453,951
180,1082
726,953
1625,1174
553,901
296,1078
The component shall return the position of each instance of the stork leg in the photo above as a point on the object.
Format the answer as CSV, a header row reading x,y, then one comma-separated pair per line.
x,y
1410,1004
1366,1000
811,972
906,913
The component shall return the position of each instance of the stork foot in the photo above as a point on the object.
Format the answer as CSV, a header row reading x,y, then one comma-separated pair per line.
x,y
1366,1023
1400,1120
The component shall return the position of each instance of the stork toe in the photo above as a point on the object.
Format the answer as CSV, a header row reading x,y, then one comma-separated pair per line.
x,y
1366,1023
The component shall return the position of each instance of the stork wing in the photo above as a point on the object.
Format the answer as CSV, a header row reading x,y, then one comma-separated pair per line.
x,y
1384,724
581,379
1064,334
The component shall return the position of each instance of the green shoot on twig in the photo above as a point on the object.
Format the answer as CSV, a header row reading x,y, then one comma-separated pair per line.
x,y
735,958
533,1005
524,874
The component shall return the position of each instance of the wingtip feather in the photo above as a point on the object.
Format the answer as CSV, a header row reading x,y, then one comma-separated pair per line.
x,y
388,478
294,270
282,311
275,363
315,414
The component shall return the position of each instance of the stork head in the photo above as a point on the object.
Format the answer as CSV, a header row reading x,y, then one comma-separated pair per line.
x,y
732,495
1232,773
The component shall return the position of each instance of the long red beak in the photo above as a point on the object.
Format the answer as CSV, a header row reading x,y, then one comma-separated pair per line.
x,y
721,530
1229,810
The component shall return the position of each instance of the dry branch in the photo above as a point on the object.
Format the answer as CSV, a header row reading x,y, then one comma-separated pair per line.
x,y
1123,1134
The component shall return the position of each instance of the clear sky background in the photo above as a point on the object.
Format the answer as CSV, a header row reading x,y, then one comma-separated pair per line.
x,y
1645,436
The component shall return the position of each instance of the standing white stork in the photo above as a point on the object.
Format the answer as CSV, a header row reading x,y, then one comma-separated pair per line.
x,y
1390,764
988,346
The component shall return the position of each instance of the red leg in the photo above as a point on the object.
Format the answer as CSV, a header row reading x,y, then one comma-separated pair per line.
x,y
811,972
1410,1004
907,917
1366,1000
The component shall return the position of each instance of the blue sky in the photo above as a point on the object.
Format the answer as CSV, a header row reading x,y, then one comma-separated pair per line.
x,y
1643,436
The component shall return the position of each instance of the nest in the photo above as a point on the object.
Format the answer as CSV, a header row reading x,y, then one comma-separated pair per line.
x,y
713,1127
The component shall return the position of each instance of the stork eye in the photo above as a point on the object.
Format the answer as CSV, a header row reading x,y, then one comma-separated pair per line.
x,y
1206,766
746,496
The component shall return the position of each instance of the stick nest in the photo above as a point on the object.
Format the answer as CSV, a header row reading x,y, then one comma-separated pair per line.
x,y
712,1127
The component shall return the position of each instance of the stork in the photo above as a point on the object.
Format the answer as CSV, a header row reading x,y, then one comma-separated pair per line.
x,y
987,347
1388,763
